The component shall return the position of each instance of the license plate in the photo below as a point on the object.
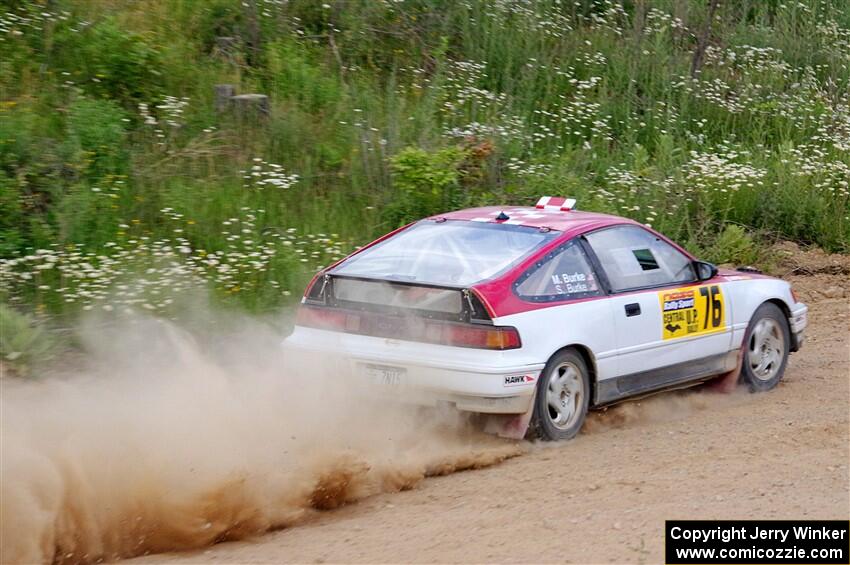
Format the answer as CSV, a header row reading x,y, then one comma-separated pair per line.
x,y
384,375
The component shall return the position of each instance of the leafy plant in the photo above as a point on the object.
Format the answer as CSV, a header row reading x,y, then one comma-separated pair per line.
x,y
108,60
425,183
96,134
733,245
23,342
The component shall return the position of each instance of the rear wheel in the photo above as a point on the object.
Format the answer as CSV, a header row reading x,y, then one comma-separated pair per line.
x,y
563,394
766,347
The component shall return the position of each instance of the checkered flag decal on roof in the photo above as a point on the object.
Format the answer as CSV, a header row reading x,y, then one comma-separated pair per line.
x,y
556,203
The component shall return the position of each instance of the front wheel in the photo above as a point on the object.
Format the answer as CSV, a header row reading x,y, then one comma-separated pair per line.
x,y
563,395
766,347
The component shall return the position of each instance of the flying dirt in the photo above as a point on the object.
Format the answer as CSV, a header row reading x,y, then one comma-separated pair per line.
x,y
159,443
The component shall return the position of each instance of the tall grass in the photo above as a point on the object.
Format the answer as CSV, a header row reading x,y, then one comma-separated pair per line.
x,y
113,156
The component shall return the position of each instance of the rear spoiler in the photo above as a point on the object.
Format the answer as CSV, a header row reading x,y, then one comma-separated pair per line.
x,y
397,298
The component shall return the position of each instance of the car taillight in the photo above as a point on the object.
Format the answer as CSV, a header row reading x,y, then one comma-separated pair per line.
x,y
327,319
794,295
483,337
443,333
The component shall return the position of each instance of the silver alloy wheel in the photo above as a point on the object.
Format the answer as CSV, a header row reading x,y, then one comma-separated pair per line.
x,y
564,395
766,349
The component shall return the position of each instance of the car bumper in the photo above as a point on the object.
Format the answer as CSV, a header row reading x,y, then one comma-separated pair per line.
x,y
471,380
798,321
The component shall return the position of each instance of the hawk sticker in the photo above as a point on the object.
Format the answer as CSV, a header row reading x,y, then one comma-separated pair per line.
x,y
695,310
519,380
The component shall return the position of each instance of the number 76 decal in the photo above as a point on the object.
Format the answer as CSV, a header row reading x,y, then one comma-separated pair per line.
x,y
692,311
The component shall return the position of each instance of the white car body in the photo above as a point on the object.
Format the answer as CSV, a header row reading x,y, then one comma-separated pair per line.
x,y
627,355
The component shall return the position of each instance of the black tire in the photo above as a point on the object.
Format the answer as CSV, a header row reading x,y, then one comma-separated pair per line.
x,y
766,346
568,376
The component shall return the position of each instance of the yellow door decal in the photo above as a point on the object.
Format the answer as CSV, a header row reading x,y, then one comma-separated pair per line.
x,y
695,310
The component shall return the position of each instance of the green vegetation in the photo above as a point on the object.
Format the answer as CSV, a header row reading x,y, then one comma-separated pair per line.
x,y
23,342
121,185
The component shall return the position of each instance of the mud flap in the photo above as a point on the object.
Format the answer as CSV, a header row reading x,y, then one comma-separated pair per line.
x,y
728,382
511,426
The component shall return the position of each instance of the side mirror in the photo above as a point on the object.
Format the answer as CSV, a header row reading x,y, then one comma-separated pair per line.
x,y
705,270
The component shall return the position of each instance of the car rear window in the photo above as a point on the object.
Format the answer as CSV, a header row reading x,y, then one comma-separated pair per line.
x,y
398,295
563,274
456,253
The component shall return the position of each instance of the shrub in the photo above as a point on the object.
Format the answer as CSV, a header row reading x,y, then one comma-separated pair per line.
x,y
96,135
107,60
23,342
733,245
425,183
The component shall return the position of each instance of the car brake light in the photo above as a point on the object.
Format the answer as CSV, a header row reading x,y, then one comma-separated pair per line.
x,y
444,333
794,295
481,337
327,319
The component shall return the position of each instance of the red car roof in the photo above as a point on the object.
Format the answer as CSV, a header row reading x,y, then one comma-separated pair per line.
x,y
572,221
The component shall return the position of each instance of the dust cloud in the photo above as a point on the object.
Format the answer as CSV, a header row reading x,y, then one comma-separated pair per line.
x,y
162,440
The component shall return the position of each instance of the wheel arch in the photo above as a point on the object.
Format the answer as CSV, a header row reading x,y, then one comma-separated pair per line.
x,y
589,360
786,311
782,306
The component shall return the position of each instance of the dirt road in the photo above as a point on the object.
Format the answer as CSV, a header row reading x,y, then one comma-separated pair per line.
x,y
604,496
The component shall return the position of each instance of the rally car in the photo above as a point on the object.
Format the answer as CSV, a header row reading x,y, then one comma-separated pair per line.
x,y
542,313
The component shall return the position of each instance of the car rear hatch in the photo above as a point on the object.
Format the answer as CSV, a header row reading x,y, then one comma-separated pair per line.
x,y
404,311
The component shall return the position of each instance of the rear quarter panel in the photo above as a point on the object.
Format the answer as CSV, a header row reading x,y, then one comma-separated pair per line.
x,y
587,323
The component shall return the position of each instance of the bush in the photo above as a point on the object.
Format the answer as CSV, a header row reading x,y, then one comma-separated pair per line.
x,y
23,342
107,60
733,245
425,183
96,137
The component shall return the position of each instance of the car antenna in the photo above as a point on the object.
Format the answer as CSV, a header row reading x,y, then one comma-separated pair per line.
x,y
502,217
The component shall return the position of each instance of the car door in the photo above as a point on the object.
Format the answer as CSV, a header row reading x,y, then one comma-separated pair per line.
x,y
669,327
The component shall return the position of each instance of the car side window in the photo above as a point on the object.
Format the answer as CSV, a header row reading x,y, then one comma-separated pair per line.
x,y
633,257
562,274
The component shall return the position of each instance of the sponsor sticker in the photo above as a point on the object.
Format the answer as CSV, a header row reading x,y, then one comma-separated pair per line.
x,y
519,380
695,310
